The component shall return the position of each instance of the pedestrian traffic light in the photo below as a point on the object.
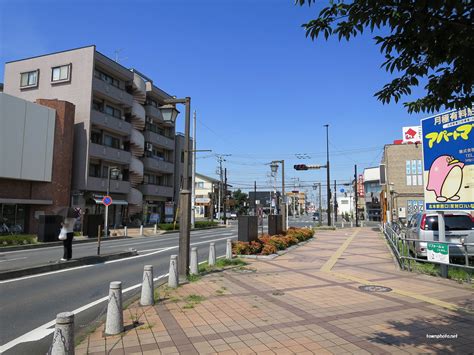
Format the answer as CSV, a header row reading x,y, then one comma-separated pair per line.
x,y
300,167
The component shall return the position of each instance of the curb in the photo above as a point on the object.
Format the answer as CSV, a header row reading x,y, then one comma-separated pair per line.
x,y
88,260
55,244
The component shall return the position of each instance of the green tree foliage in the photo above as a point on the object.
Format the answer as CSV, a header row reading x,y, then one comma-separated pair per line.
x,y
241,201
429,41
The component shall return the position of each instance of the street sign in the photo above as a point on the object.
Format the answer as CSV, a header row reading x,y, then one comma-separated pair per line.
x,y
107,200
448,160
438,252
411,134
342,190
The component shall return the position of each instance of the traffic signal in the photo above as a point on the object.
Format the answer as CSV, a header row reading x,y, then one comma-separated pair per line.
x,y
300,167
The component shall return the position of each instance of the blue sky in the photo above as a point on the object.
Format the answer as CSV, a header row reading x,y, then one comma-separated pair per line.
x,y
261,89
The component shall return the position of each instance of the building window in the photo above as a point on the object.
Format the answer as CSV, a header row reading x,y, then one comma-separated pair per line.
x,y
414,173
112,111
107,78
61,73
112,142
94,169
200,185
29,79
96,137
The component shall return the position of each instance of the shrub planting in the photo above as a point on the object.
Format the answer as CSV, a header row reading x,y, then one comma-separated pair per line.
x,y
20,239
267,244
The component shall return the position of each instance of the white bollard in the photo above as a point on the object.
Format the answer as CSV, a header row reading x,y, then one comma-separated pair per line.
x,y
173,274
342,224
194,268
228,251
155,229
212,254
114,321
361,223
147,297
63,338
352,224
125,231
141,230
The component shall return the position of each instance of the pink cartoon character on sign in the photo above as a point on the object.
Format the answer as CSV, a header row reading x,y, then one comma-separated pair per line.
x,y
445,178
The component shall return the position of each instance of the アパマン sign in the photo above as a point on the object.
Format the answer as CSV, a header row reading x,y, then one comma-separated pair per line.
x,y
448,160
411,134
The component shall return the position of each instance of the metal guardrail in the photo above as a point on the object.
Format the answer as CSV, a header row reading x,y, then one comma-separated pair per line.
x,y
401,249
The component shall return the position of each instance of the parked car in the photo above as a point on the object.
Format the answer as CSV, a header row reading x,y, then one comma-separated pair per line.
x,y
316,216
424,227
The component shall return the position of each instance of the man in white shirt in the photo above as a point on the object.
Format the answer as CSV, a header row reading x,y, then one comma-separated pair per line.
x,y
68,225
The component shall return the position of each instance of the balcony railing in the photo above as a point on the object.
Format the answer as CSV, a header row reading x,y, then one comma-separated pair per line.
x,y
109,153
156,190
100,184
113,93
158,165
110,123
159,140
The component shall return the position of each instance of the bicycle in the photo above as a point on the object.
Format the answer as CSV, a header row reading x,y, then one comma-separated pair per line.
x,y
4,229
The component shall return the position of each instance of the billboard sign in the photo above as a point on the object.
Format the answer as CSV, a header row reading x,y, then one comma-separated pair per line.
x,y
448,160
360,185
411,134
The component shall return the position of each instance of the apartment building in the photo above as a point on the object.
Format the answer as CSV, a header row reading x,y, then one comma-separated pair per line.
x,y
121,141
402,180
205,190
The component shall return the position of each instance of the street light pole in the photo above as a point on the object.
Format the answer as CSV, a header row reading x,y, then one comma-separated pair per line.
x,y
185,194
106,221
328,175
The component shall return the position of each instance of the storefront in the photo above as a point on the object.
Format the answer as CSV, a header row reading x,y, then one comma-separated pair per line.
x,y
13,218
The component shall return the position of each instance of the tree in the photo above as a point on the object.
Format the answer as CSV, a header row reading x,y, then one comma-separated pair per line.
x,y
431,41
241,201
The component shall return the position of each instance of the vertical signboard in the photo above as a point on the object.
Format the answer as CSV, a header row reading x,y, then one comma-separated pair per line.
x,y
360,185
448,160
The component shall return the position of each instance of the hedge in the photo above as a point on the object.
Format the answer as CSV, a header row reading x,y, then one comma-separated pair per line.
x,y
197,225
267,244
18,239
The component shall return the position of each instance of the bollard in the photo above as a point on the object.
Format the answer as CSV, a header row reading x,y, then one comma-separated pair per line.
x,y
125,231
63,338
155,229
173,275
342,224
147,298
352,224
194,262
212,254
114,321
141,230
228,251
361,223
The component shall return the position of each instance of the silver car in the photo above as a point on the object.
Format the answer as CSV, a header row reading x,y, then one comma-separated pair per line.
x,y
423,226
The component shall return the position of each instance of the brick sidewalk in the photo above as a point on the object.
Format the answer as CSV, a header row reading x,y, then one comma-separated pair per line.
x,y
307,301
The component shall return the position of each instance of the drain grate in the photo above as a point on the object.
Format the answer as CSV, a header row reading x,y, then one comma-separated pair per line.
x,y
374,288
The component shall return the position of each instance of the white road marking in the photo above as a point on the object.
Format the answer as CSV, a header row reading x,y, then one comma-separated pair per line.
x,y
2,261
45,329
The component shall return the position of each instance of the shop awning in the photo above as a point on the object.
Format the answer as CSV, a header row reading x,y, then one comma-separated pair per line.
x,y
114,202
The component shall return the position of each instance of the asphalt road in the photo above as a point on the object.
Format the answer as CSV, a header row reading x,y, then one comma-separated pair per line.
x,y
30,304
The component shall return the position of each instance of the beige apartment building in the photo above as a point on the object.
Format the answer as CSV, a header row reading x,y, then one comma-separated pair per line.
x,y
119,130
402,190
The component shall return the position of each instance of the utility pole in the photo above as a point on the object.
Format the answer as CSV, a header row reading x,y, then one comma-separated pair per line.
x,y
193,177
225,195
328,174
356,193
335,202
255,198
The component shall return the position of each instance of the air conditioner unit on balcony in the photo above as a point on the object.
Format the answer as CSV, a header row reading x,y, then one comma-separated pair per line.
x,y
149,147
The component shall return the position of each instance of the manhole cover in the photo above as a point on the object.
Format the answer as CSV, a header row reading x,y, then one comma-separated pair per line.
x,y
374,288
278,293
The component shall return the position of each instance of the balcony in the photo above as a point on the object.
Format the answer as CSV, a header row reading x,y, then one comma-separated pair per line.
x,y
154,113
112,93
158,165
110,154
156,190
159,140
100,184
110,123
